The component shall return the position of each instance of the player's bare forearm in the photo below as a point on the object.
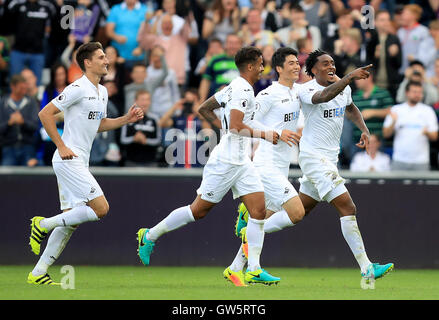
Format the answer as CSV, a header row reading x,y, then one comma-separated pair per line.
x,y
331,91
48,119
207,111
108,124
354,114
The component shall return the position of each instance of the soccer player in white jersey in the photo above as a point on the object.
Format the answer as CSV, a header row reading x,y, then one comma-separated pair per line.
x,y
279,108
229,166
325,102
84,103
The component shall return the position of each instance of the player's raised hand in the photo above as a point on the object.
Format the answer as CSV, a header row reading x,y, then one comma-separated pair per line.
x,y
66,153
364,142
271,136
134,114
290,137
361,73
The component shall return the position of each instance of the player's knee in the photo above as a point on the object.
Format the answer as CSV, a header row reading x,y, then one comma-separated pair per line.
x,y
199,213
257,213
349,209
102,210
298,215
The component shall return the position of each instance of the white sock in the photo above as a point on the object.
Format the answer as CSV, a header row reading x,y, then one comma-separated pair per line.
x,y
278,221
352,235
55,245
72,217
176,219
255,240
239,262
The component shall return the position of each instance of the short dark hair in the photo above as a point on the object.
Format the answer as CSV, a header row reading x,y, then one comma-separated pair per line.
x,y
412,84
279,57
312,60
416,62
296,7
85,51
246,55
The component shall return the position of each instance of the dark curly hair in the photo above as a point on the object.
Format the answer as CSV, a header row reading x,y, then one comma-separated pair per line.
x,y
246,55
312,60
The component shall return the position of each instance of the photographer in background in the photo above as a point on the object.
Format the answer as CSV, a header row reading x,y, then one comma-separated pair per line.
x,y
416,73
186,132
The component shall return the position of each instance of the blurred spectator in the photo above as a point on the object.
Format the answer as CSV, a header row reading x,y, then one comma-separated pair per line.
x,y
141,82
429,50
253,34
68,58
413,125
299,28
104,150
117,74
169,7
187,125
317,14
344,21
142,138
33,90
122,28
347,55
57,39
30,20
435,79
86,17
384,52
162,82
175,45
412,35
4,64
18,124
269,74
221,69
215,48
304,48
270,18
374,104
58,81
375,161
221,20
416,72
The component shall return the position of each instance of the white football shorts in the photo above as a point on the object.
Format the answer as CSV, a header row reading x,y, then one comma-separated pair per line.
x,y
76,185
277,188
321,180
219,177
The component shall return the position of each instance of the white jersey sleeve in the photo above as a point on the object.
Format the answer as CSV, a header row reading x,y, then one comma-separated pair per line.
x,y
69,96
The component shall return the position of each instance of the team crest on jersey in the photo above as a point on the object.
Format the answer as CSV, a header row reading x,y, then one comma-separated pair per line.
x,y
61,97
244,103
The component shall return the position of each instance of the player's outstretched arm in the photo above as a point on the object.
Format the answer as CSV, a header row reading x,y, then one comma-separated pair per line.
x,y
134,114
206,110
237,126
48,118
331,91
354,114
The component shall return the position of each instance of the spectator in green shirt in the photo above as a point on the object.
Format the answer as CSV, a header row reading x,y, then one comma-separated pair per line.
x,y
4,64
221,69
374,104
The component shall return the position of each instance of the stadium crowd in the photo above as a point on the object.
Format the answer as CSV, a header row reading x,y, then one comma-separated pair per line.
x,y
168,56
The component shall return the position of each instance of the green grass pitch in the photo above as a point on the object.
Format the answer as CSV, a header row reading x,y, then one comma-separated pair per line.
x,y
207,283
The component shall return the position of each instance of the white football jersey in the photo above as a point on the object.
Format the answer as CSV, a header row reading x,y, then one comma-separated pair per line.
x,y
277,107
84,107
410,144
234,148
323,122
